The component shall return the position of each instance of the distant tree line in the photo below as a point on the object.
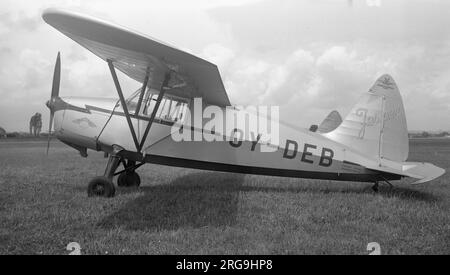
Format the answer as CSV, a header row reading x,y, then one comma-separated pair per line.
x,y
426,134
22,135
35,129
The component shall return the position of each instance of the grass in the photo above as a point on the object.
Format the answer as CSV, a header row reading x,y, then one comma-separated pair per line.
x,y
44,206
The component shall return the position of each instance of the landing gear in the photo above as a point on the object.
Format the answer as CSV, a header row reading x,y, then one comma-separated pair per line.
x,y
375,188
129,179
103,186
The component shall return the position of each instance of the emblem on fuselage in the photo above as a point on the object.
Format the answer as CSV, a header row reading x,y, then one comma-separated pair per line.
x,y
84,123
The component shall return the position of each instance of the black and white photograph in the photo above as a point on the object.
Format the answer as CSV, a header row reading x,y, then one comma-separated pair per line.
x,y
240,129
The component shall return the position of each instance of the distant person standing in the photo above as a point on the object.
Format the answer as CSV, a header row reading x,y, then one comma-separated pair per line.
x,y
32,124
2,133
36,125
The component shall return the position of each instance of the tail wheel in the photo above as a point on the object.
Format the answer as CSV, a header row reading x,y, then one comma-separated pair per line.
x,y
101,187
375,187
131,179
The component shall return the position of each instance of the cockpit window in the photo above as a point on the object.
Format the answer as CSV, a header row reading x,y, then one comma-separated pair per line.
x,y
132,102
171,109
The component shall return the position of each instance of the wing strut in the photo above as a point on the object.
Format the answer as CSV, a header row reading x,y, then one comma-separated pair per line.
x,y
155,109
141,96
139,145
122,101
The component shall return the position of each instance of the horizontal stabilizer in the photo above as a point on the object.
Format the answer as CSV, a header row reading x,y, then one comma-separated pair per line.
x,y
424,172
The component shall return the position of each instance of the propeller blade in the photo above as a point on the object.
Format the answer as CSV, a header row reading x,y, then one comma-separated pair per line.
x,y
56,77
55,94
52,114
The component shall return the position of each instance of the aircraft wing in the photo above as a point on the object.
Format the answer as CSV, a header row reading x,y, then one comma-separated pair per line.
x,y
137,55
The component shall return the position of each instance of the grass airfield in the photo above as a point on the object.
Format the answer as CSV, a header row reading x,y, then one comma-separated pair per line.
x,y
44,207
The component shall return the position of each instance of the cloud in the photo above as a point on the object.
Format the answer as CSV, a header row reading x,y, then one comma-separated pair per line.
x,y
18,21
309,83
4,51
343,51
218,54
309,57
77,54
26,82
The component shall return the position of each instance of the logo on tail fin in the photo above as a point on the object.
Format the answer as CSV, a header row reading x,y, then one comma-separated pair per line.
x,y
362,113
386,83
367,120
375,119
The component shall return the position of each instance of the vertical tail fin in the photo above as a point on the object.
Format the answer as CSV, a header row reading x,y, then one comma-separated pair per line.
x,y
376,126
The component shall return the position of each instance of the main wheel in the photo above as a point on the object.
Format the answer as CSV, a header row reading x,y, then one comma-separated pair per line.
x,y
131,179
101,187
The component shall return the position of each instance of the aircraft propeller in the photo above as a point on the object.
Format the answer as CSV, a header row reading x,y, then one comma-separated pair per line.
x,y
55,93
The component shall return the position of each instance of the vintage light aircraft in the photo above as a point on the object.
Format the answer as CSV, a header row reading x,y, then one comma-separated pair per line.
x,y
369,145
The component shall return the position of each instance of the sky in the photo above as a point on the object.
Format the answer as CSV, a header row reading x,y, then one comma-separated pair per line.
x,y
307,56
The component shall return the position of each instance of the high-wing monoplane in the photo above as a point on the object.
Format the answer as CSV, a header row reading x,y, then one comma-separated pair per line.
x,y
369,145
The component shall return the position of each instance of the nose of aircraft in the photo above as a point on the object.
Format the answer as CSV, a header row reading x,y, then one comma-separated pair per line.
x,y
78,121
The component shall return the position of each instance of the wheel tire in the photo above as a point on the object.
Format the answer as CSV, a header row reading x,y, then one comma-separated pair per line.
x,y
121,180
129,180
375,188
101,187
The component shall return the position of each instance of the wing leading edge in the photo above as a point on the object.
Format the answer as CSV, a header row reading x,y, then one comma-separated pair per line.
x,y
137,56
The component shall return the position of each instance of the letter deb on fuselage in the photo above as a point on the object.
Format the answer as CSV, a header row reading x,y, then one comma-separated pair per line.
x,y
291,151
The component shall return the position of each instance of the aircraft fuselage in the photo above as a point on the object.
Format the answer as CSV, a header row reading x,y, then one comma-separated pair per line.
x,y
100,124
